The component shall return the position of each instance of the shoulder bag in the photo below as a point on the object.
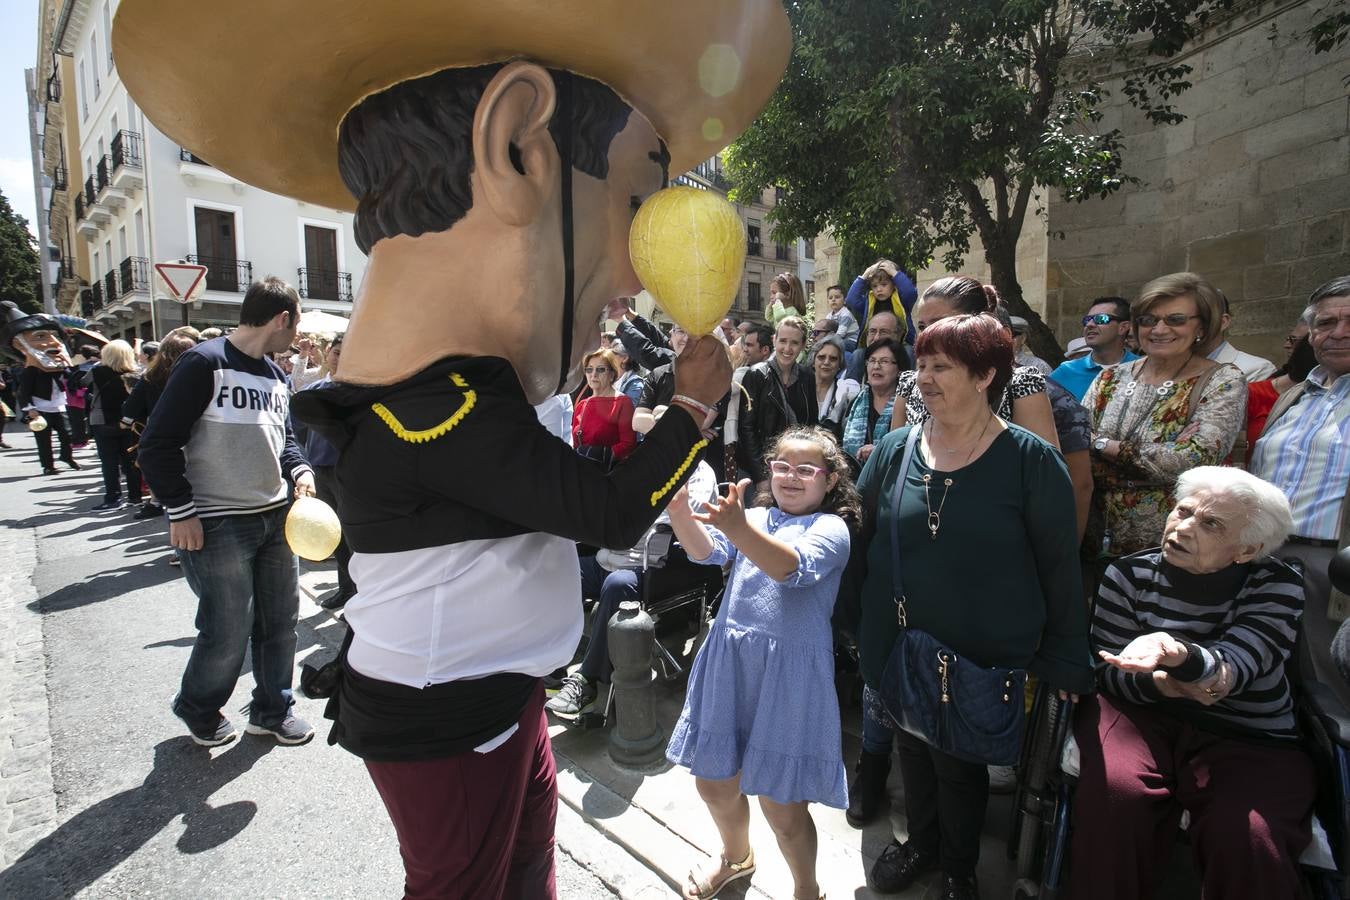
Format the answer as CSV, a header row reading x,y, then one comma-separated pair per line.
x,y
961,708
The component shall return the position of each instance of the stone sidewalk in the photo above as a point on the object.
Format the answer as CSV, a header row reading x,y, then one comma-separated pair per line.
x,y
657,816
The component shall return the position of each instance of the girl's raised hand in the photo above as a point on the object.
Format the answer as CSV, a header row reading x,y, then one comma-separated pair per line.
x,y
727,514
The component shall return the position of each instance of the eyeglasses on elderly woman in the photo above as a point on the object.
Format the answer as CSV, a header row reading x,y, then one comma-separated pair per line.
x,y
1172,320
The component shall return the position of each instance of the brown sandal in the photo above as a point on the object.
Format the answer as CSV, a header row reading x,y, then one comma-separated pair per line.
x,y
705,888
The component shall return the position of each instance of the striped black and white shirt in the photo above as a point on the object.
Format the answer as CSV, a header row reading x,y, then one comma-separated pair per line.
x,y
1246,615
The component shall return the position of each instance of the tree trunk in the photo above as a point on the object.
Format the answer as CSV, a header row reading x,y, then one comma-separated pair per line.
x,y
1001,254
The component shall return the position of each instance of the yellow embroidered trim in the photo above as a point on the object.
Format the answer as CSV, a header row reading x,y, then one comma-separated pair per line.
x,y
428,434
674,479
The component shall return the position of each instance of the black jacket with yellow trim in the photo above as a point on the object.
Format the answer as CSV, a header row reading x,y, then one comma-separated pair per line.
x,y
456,453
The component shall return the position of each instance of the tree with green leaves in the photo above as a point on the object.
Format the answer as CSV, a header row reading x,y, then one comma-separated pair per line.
x,y
913,124
19,268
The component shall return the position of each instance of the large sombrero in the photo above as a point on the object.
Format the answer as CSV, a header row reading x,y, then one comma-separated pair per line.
x,y
258,88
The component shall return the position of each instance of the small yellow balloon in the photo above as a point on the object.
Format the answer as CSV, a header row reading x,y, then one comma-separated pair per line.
x,y
688,247
312,529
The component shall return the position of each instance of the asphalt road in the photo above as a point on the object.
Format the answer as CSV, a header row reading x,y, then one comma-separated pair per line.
x,y
140,810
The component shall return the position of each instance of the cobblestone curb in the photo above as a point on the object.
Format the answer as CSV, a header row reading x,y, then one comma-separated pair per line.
x,y
27,794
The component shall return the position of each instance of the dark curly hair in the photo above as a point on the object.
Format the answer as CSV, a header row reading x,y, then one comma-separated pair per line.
x,y
842,500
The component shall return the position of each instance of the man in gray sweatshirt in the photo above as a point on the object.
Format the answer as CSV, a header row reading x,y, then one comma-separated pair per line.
x,y
217,452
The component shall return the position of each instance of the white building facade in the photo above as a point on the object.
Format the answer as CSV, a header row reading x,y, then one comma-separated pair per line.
x,y
146,200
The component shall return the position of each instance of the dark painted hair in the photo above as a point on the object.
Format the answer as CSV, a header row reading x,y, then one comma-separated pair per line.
x,y
406,153
979,343
265,299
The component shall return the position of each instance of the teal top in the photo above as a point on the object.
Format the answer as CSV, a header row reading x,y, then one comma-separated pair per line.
x,y
1001,583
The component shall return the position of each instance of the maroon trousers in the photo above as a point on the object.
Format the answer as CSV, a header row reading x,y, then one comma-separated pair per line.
x,y
1250,806
477,825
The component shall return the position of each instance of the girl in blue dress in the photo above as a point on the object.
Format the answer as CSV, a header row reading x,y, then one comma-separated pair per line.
x,y
760,714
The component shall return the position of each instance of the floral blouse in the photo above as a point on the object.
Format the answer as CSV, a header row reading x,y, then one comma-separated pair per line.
x,y
1025,381
1133,492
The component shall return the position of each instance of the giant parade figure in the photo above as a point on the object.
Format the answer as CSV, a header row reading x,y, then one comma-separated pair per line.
x,y
495,155
40,342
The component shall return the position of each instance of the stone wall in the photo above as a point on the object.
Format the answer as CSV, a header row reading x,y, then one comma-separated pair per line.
x,y
1252,190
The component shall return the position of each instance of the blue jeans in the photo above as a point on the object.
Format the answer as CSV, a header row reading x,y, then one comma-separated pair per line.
x,y
609,590
247,584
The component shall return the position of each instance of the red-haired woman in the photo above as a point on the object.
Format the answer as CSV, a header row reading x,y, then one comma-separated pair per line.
x,y
977,489
602,424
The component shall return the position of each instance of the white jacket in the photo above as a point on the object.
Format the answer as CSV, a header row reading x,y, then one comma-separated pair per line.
x,y
1254,367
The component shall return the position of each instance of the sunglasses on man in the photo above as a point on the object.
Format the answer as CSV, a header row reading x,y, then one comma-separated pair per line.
x,y
1102,319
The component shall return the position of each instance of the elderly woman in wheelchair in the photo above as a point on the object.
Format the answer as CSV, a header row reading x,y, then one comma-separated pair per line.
x,y
1195,711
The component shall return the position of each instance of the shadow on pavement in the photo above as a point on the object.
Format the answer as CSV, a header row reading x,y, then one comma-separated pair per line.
x,y
106,834
105,586
175,642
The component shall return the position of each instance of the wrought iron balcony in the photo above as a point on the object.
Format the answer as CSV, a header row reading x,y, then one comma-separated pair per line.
x,y
134,275
87,305
54,88
325,284
60,179
110,292
103,171
127,162
96,295
754,248
80,211
67,267
224,274
126,149
90,192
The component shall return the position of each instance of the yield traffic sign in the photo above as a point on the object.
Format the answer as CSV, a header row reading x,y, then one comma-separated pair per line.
x,y
183,281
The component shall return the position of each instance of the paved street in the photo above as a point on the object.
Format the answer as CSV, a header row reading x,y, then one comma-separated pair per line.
x,y
101,792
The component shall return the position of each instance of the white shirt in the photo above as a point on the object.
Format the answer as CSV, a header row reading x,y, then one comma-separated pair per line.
x,y
555,414
466,610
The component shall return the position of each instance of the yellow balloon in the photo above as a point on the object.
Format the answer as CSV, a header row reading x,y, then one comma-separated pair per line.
x,y
312,529
688,247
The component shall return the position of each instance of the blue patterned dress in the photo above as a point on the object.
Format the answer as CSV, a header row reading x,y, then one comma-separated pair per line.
x,y
761,698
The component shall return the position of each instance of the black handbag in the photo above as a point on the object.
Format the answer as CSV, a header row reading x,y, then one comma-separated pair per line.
x,y
963,709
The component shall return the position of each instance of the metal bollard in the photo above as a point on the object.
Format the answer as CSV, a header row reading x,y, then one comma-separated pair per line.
x,y
635,739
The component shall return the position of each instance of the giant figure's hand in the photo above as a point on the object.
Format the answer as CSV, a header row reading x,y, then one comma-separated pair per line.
x,y
702,371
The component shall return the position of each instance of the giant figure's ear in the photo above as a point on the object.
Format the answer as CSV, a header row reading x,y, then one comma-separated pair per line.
x,y
515,162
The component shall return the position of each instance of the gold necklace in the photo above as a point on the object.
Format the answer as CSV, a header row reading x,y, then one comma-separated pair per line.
x,y
935,516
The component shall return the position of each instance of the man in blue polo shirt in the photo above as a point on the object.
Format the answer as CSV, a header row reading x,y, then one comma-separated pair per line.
x,y
1105,328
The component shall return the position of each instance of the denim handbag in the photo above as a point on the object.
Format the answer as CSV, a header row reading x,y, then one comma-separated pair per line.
x,y
963,709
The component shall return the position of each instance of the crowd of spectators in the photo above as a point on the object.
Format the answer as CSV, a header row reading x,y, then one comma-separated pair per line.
x,y
1115,527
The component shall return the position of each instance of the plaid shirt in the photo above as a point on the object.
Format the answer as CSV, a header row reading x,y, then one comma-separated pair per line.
x,y
1306,454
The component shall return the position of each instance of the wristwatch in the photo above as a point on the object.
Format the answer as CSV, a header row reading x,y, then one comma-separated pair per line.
x,y
1099,444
